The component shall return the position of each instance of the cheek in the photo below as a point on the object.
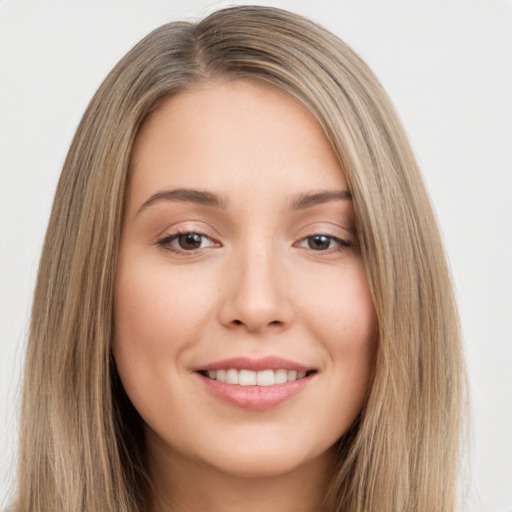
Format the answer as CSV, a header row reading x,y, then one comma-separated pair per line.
x,y
343,310
337,312
158,316
341,316
156,309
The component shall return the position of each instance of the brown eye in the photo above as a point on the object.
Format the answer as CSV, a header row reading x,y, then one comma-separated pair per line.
x,y
324,242
319,242
189,241
186,242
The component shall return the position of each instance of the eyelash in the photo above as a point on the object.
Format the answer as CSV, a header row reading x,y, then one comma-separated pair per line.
x,y
165,243
342,243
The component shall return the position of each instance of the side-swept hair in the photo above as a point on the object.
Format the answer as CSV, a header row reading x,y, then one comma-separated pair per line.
x,y
81,442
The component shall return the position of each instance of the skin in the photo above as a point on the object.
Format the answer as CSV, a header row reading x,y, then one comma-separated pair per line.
x,y
254,287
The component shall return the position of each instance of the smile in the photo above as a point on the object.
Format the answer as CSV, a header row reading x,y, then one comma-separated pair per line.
x,y
247,377
256,384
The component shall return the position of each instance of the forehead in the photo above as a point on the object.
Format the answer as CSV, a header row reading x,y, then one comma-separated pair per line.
x,y
233,138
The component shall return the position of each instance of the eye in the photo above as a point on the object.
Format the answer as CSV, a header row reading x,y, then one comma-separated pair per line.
x,y
323,242
186,242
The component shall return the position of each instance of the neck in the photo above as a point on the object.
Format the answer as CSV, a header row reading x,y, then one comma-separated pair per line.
x,y
181,485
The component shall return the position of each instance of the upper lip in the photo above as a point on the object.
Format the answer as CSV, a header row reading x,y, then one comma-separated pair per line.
x,y
255,364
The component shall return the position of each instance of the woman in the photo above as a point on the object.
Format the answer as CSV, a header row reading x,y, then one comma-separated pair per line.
x,y
242,299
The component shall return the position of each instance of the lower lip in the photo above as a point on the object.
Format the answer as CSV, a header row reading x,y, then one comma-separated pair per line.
x,y
257,398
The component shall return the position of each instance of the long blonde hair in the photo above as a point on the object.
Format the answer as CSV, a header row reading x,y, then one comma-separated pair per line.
x,y
81,442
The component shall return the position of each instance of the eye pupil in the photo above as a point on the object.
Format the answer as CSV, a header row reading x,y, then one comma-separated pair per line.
x,y
319,242
190,241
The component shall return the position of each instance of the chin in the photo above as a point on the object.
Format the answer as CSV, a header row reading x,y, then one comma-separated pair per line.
x,y
266,458
258,466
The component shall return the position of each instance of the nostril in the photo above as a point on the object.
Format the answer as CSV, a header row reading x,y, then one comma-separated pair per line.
x,y
256,324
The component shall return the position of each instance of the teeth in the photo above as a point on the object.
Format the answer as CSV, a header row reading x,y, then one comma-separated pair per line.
x,y
281,376
246,377
291,375
232,376
265,378
252,378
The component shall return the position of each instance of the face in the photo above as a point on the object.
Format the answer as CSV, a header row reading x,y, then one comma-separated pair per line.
x,y
244,327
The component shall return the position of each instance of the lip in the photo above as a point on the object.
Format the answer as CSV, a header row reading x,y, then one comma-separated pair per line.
x,y
256,398
248,363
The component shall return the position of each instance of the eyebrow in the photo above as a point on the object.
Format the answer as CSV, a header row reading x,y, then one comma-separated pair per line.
x,y
186,195
312,199
213,200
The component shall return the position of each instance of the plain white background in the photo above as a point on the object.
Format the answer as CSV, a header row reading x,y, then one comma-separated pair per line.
x,y
447,67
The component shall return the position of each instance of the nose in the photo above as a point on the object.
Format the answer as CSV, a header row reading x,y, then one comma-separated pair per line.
x,y
255,297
